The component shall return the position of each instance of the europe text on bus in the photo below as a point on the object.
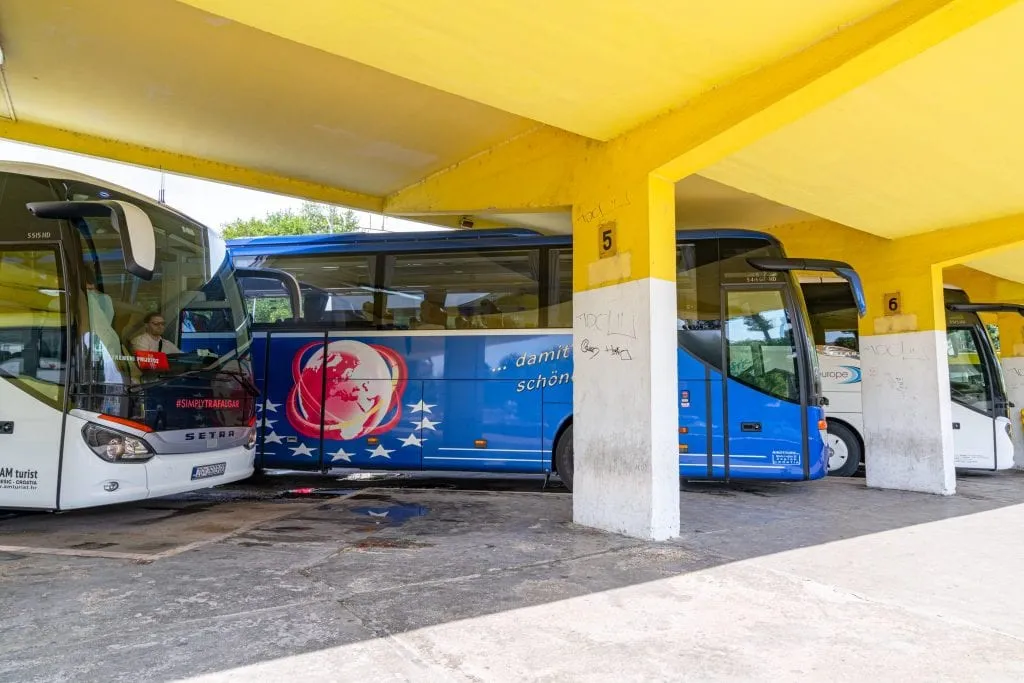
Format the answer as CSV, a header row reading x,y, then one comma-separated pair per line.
x,y
453,350
124,347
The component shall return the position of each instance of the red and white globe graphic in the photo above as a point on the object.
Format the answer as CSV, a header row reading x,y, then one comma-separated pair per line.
x,y
361,396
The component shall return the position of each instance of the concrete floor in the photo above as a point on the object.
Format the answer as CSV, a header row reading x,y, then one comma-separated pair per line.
x,y
387,581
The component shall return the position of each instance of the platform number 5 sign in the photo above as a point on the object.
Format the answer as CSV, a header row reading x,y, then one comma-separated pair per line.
x,y
892,303
607,241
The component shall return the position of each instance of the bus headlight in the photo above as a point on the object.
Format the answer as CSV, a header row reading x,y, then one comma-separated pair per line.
x,y
250,443
114,446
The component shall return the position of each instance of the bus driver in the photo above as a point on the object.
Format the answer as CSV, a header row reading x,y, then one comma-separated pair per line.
x,y
151,339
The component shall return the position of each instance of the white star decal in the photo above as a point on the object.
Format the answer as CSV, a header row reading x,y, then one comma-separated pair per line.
x,y
412,440
269,423
303,449
272,437
377,514
422,407
271,406
341,455
380,452
425,423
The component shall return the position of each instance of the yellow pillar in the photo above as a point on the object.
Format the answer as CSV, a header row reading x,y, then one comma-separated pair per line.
x,y
626,460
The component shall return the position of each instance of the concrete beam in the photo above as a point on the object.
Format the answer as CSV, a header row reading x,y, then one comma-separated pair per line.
x,y
537,170
959,244
533,171
737,114
171,162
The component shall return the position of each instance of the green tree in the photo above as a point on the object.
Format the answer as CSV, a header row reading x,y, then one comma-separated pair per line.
x,y
310,219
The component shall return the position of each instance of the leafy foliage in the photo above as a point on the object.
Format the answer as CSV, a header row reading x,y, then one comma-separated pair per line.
x,y
310,219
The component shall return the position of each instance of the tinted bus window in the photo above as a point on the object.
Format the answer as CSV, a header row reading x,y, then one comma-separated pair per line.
x,y
833,314
337,290
760,342
266,300
463,290
698,301
16,223
560,296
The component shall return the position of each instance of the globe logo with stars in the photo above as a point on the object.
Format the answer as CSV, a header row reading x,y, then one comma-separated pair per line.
x,y
360,396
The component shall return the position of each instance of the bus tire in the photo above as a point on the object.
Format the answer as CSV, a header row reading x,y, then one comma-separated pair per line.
x,y
563,457
845,451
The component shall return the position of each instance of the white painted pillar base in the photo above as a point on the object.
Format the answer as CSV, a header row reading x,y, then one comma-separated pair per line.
x,y
908,422
1013,372
626,418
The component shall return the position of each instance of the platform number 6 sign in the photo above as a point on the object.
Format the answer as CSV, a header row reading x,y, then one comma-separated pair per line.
x,y
607,242
892,303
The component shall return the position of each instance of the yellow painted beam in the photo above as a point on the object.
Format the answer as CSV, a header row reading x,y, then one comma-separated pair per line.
x,y
735,115
539,169
116,150
962,243
529,172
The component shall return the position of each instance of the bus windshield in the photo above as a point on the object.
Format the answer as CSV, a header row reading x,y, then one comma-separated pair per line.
x,y
184,330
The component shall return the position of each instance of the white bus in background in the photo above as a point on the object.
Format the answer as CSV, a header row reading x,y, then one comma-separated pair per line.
x,y
86,418
980,408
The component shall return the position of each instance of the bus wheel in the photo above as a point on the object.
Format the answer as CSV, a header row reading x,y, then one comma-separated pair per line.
x,y
563,457
844,450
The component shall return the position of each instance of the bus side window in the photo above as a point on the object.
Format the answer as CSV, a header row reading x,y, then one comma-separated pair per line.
x,y
337,291
698,301
560,288
464,289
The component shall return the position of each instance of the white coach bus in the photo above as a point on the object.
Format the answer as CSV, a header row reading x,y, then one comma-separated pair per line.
x,y
980,408
109,392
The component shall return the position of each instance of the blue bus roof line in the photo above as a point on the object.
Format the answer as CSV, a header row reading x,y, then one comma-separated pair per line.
x,y
362,242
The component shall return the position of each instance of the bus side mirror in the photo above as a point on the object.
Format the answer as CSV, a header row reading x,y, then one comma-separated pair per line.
x,y
138,238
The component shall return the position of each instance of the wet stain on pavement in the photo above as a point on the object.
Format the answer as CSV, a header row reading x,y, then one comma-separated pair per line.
x,y
392,515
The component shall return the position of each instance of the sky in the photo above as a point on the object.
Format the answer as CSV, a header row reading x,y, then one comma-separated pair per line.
x,y
212,204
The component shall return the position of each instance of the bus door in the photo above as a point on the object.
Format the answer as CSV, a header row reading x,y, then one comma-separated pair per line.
x,y
33,373
764,405
975,403
981,406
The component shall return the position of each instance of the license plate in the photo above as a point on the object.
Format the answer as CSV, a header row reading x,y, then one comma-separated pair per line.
x,y
205,471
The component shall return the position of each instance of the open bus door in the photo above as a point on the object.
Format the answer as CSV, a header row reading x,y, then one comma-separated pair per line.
x,y
981,407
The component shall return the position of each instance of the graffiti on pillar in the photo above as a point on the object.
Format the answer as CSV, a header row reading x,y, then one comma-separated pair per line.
x,y
901,349
610,323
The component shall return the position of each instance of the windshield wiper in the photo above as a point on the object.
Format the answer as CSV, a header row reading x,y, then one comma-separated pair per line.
x,y
239,377
136,388
244,380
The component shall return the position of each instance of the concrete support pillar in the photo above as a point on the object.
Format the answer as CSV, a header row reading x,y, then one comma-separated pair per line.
x,y
1011,345
625,425
908,429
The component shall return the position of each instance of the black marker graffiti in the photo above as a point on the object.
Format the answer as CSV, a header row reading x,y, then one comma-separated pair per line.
x,y
620,353
586,347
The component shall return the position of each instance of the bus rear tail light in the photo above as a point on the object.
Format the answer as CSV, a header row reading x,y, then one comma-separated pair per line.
x,y
115,446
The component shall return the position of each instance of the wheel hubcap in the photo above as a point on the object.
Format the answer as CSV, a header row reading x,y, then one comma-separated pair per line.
x,y
838,453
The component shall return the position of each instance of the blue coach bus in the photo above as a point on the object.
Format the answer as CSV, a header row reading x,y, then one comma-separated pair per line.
x,y
453,350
